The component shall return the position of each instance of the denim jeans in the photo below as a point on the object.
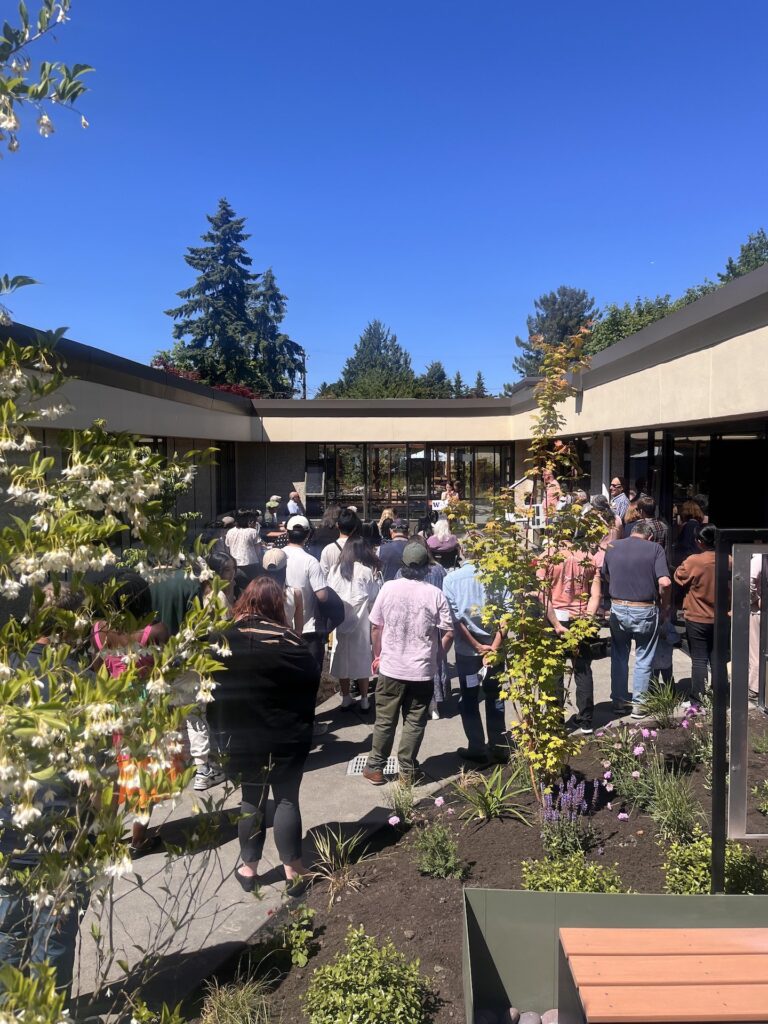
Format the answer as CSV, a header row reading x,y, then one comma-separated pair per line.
x,y
31,936
488,693
642,626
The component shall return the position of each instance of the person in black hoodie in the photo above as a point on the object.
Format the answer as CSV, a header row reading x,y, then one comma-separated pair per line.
x,y
263,714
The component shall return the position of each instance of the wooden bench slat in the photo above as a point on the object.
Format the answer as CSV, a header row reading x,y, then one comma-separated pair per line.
x,y
731,969
646,1004
662,941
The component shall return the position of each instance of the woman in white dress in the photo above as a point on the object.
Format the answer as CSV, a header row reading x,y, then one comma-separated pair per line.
x,y
355,581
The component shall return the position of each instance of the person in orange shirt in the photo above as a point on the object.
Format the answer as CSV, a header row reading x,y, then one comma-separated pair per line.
x,y
697,576
574,592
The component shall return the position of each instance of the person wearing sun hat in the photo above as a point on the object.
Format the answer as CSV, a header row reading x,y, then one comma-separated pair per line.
x,y
275,564
270,523
410,621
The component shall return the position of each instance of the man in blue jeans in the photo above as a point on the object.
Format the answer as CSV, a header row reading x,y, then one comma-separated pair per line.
x,y
640,588
466,597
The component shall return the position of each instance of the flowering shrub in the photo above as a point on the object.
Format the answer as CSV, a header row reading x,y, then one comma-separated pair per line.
x,y
573,873
624,753
565,824
58,717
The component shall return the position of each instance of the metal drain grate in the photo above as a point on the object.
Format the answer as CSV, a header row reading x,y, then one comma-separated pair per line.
x,y
356,765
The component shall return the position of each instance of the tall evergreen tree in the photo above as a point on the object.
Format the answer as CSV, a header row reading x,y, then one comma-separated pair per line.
x,y
753,254
556,316
227,326
459,388
480,390
434,382
379,367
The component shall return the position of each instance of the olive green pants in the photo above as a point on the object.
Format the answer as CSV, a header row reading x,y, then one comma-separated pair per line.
x,y
396,697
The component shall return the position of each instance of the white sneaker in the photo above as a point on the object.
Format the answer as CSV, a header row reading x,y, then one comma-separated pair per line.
x,y
435,715
207,776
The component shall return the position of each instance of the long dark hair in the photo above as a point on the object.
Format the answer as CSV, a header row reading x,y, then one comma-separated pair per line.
x,y
356,550
261,599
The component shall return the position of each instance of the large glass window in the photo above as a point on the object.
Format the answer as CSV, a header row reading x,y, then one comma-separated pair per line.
x,y
350,475
418,475
486,482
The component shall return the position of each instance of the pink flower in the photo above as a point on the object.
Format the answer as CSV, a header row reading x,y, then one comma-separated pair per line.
x,y
450,811
654,734
599,733
606,764
635,775
622,816
609,787
638,750
609,805
394,820
607,775
685,724
645,733
439,801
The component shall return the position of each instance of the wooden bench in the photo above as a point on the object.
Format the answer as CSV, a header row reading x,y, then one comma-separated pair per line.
x,y
663,975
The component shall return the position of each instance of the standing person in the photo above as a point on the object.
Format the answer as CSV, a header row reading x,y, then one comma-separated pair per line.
x,y
391,553
295,506
271,526
443,544
327,532
244,539
410,621
451,493
263,710
636,572
354,580
466,598
349,526
618,496
131,597
646,506
697,576
303,572
553,492
691,519
574,592
275,565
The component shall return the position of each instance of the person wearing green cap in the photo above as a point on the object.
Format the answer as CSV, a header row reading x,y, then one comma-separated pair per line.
x,y
410,621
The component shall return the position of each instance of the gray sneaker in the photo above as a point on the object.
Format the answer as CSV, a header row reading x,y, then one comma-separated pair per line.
x,y
638,711
206,777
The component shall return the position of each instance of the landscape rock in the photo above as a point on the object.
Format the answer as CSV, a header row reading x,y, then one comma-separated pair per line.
x,y
550,1017
409,934
514,1015
529,1017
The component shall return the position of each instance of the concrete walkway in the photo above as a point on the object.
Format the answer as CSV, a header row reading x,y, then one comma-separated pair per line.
x,y
190,910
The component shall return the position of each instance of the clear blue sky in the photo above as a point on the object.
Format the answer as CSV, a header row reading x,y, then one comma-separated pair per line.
x,y
433,164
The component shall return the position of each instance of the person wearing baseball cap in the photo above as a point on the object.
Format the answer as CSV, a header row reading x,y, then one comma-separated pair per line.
x,y
275,564
303,572
410,622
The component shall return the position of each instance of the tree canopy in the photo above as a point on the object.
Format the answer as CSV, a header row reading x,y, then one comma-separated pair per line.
x,y
557,315
227,327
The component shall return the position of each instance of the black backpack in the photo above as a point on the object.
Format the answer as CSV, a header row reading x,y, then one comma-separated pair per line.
x,y
330,613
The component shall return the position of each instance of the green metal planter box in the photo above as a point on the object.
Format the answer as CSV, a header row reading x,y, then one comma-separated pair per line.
x,y
511,938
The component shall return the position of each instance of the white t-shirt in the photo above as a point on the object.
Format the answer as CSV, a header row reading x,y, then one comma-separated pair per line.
x,y
244,545
303,571
331,554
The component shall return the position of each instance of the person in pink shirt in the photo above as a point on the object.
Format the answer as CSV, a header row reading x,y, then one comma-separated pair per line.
x,y
410,621
572,590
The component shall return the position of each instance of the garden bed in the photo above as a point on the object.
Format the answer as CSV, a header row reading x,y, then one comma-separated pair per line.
x,y
424,917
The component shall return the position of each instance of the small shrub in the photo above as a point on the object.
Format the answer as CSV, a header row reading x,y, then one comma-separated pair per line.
x,y
661,702
687,869
494,796
669,799
760,744
699,742
299,935
368,984
438,853
625,752
761,792
243,1001
336,858
565,824
573,873
401,800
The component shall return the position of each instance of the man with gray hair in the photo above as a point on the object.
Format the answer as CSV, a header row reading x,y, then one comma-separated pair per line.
x,y
637,575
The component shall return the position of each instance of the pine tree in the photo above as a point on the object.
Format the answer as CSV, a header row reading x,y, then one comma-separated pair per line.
x,y
434,382
459,389
227,326
480,390
557,315
379,367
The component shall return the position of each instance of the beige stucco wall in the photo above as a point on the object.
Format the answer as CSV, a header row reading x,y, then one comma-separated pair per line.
x,y
395,426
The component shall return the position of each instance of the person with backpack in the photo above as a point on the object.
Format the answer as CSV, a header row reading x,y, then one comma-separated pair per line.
x,y
354,579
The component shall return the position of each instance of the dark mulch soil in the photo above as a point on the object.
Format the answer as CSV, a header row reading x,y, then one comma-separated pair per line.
x,y
423,916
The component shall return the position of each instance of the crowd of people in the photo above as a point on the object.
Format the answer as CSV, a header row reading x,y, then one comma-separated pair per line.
x,y
386,606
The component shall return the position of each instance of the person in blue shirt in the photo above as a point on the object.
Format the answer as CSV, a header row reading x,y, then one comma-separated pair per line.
x,y
466,598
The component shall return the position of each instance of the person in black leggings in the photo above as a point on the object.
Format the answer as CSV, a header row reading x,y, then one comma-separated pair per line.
x,y
263,711
697,576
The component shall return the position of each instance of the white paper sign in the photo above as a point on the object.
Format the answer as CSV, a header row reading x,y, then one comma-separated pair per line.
x,y
438,505
472,681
